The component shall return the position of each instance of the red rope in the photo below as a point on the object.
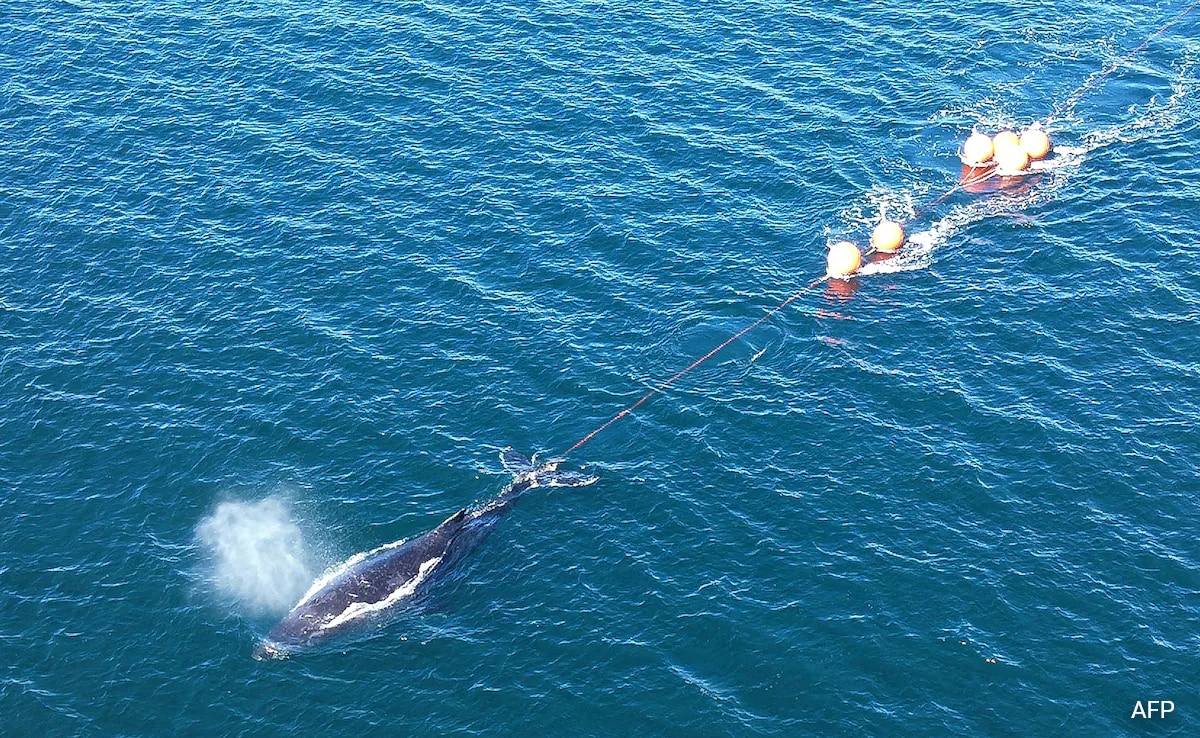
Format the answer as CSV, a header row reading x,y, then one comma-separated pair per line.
x,y
667,383
1091,84
961,185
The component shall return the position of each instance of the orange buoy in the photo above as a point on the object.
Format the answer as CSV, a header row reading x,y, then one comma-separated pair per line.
x,y
1012,159
1005,140
844,259
1035,142
977,149
888,236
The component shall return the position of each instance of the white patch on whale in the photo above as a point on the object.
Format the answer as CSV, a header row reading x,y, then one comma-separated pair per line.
x,y
361,609
336,571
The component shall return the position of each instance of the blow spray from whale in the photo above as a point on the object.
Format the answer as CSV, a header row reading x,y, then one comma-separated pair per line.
x,y
393,574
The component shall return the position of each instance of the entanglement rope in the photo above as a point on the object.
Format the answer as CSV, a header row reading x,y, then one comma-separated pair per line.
x,y
1059,110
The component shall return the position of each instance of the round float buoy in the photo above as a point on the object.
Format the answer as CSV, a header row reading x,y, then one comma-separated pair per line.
x,y
844,259
977,149
1012,159
1035,142
887,237
1005,140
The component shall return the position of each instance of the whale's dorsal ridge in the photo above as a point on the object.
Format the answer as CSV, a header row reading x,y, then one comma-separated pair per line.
x,y
454,519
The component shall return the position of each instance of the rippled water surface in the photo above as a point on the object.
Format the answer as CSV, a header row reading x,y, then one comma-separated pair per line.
x,y
278,280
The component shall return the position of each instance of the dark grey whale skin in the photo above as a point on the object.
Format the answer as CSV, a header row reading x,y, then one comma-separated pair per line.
x,y
381,574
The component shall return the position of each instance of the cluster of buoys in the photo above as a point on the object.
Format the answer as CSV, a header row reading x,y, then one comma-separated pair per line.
x,y
982,155
845,258
1006,151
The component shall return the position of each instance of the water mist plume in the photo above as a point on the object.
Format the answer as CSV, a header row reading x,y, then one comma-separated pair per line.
x,y
258,555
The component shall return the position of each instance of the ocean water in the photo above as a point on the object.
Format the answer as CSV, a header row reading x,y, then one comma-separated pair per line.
x,y
279,280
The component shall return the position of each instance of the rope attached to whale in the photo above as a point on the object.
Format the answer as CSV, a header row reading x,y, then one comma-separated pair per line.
x,y
964,184
667,383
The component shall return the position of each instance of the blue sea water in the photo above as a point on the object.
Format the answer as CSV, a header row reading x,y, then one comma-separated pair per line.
x,y
278,280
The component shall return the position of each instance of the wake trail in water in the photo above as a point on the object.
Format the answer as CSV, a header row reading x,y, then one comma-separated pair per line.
x,y
257,554
1154,118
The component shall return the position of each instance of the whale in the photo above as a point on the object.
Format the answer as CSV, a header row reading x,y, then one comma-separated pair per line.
x,y
395,574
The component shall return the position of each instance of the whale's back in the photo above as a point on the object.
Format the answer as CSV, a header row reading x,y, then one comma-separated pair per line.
x,y
368,583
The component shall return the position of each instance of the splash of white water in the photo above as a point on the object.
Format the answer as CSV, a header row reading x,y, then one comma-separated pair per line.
x,y
918,253
1155,116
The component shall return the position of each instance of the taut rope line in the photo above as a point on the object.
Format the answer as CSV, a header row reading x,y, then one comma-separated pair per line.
x,y
678,375
1091,84
667,383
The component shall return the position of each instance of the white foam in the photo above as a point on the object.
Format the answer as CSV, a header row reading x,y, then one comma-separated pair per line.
x,y
919,250
1156,116
921,244
865,213
1062,158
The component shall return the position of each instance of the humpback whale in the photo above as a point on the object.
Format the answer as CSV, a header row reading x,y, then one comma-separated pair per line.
x,y
393,574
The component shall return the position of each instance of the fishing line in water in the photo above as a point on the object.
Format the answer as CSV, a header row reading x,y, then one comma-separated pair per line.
x,y
1091,84
1004,156
678,375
